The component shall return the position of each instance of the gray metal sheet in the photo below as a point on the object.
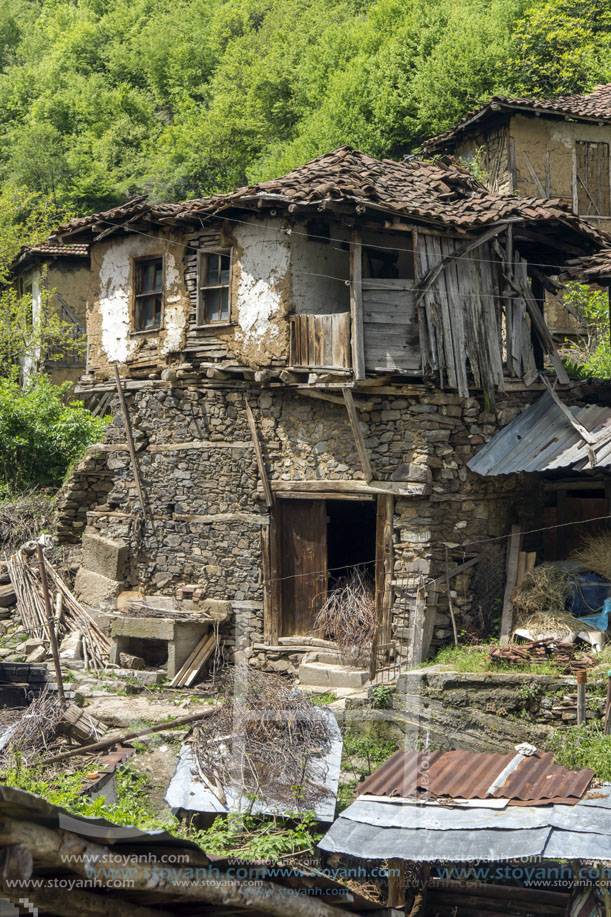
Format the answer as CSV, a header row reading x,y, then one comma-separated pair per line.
x,y
438,818
186,791
368,842
572,845
541,438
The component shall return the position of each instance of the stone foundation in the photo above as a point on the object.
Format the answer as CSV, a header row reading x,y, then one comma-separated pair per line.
x,y
208,522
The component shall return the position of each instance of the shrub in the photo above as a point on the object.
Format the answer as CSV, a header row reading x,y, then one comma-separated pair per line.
x,y
41,435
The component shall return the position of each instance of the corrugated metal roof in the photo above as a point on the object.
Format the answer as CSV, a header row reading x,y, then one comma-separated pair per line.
x,y
429,832
535,779
542,438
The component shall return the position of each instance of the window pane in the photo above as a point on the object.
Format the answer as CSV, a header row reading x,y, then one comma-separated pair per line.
x,y
224,304
225,264
212,274
149,275
212,300
148,312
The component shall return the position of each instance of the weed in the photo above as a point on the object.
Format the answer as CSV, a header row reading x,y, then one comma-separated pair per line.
x,y
370,748
382,697
328,697
583,746
259,838
530,690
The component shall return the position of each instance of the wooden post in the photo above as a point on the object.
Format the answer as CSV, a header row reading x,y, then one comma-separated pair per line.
x,y
130,440
607,726
359,439
51,627
356,307
582,678
450,603
269,500
513,554
396,884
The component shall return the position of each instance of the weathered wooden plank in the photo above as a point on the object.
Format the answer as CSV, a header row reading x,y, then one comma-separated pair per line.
x,y
359,439
513,553
356,306
269,500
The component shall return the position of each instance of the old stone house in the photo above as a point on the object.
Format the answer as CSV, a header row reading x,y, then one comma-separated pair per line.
x,y
63,272
308,365
545,148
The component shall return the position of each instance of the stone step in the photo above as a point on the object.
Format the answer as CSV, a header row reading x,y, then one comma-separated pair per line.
x,y
329,657
324,675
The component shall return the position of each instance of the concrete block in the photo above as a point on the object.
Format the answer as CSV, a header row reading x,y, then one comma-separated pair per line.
x,y
143,628
37,655
104,556
331,676
95,589
70,648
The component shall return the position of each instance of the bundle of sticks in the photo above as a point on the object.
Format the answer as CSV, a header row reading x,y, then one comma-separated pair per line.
x,y
563,654
139,609
69,613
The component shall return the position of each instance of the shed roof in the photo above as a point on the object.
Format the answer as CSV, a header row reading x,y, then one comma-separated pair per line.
x,y
447,195
593,106
534,779
428,832
542,438
48,250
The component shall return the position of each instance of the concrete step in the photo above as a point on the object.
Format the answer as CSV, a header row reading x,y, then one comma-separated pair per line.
x,y
329,657
327,676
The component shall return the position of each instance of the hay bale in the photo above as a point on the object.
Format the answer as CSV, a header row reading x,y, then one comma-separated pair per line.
x,y
540,603
595,554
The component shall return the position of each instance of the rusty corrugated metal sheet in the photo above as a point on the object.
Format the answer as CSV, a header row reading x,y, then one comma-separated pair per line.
x,y
541,438
468,775
539,777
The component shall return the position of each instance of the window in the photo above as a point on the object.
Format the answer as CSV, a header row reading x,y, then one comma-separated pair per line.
x,y
214,279
148,301
591,179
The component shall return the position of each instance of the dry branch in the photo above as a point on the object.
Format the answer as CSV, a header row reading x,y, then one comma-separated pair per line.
x,y
348,616
262,738
25,578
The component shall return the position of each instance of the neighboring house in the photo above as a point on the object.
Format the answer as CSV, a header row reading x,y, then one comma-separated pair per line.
x,y
63,270
552,148
309,365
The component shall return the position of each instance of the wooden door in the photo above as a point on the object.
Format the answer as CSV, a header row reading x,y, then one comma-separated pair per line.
x,y
302,536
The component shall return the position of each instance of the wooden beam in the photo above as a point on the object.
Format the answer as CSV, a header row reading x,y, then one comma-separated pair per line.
x,y
86,904
533,175
513,555
543,332
356,306
269,499
585,434
334,399
359,439
130,441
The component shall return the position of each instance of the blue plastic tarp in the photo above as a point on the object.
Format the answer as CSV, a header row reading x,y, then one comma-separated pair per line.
x,y
589,593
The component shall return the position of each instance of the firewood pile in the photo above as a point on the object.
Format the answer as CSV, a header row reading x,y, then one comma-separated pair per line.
x,y
261,739
69,613
549,650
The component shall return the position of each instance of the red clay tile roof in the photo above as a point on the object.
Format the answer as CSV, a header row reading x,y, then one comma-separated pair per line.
x,y
446,195
469,775
595,106
594,268
51,249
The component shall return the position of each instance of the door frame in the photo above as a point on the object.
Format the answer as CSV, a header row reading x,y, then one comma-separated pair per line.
x,y
384,561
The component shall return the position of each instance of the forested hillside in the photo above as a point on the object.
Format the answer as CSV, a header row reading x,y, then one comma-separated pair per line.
x,y
100,99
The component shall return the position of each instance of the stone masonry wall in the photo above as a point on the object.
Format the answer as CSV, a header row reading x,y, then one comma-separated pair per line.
x,y
198,468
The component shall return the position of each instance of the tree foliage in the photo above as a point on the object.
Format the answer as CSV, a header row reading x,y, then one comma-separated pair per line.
x,y
41,435
103,98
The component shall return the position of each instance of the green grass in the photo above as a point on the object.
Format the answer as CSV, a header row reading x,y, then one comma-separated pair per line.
x,y
328,697
475,659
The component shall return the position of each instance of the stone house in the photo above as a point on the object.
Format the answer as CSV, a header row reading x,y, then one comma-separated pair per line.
x,y
545,148
63,271
307,365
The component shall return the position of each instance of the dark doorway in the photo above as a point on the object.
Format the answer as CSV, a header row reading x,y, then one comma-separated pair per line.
x,y
319,542
351,537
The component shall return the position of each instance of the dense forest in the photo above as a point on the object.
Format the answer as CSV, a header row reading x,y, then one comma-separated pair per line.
x,y
100,99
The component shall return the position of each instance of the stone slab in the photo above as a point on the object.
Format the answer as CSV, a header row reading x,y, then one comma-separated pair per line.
x,y
104,556
143,628
94,589
331,676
